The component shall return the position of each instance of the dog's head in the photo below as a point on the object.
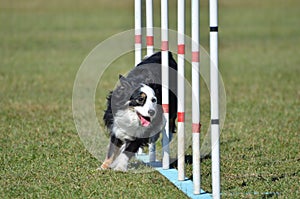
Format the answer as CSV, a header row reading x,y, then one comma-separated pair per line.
x,y
137,98
144,102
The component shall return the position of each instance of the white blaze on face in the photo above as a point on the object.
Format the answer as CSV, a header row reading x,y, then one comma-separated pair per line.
x,y
149,105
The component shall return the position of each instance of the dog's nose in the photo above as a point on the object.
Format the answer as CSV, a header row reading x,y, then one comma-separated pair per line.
x,y
151,112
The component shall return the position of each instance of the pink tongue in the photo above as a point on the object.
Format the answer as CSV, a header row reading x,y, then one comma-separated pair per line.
x,y
144,122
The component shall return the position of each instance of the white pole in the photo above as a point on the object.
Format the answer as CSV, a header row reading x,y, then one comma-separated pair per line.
x,y
138,37
138,30
150,49
196,96
181,91
165,80
149,26
215,129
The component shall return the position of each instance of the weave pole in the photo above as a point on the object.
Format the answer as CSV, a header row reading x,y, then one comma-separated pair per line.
x,y
138,30
195,96
214,83
165,81
150,50
181,90
149,26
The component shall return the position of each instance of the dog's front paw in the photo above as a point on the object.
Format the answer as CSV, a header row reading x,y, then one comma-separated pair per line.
x,y
120,167
106,164
101,168
121,163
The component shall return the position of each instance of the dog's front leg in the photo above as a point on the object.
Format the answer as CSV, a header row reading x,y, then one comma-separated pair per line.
x,y
121,162
112,153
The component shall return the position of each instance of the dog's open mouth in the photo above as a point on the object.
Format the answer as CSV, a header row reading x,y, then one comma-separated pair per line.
x,y
145,121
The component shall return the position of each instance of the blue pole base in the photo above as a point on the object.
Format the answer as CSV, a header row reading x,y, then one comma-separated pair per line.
x,y
185,186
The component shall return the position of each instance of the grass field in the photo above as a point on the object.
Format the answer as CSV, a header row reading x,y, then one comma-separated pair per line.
x,y
42,46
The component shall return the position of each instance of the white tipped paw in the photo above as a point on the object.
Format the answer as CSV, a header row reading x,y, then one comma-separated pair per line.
x,y
121,163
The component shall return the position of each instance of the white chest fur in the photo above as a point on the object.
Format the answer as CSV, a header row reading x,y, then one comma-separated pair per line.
x,y
127,126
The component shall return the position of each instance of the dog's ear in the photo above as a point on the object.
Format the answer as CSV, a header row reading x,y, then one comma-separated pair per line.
x,y
124,81
121,77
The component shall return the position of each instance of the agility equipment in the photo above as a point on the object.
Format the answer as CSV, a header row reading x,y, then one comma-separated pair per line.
x,y
191,188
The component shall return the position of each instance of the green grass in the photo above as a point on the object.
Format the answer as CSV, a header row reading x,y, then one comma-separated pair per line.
x,y
42,46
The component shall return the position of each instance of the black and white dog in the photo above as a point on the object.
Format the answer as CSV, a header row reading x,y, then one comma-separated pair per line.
x,y
134,114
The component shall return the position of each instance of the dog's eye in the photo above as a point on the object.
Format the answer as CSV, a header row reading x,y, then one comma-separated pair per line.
x,y
153,100
140,99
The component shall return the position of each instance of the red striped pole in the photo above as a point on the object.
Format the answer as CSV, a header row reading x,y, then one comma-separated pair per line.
x,y
150,49
149,26
165,81
181,90
138,30
196,96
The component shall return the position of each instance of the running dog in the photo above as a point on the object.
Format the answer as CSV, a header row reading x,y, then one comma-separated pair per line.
x,y
134,115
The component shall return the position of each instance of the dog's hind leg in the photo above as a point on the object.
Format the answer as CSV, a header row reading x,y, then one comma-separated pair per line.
x,y
112,153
